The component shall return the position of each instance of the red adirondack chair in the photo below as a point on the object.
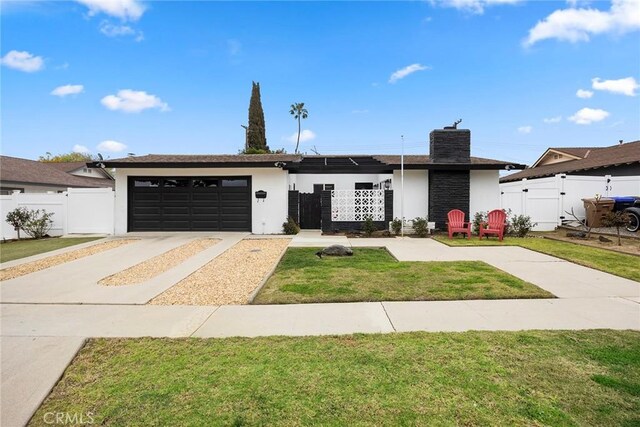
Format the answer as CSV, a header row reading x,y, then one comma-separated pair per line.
x,y
495,224
457,223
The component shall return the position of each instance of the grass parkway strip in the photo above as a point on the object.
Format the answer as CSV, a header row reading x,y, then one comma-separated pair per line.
x,y
41,264
372,274
17,249
155,266
472,378
619,264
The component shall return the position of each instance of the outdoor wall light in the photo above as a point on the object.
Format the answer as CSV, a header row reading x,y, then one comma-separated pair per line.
x,y
261,194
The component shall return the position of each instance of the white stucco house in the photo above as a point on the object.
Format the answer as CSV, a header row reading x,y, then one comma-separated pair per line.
x,y
256,193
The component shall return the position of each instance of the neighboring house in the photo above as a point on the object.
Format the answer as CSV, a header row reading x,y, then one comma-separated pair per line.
x,y
81,169
617,160
257,193
553,188
30,176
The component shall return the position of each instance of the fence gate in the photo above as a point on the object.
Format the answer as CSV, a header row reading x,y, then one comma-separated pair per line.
x,y
310,211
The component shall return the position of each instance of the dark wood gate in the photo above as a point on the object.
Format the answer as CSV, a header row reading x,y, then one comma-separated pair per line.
x,y
310,211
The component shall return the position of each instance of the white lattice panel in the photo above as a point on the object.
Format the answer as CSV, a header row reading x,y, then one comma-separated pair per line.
x,y
357,205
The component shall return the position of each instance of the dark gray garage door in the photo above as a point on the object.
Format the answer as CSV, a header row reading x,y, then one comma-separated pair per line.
x,y
190,203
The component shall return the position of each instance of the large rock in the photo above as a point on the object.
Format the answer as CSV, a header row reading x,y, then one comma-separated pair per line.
x,y
577,234
335,250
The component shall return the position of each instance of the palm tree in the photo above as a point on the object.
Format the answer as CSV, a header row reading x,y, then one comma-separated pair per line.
x,y
298,112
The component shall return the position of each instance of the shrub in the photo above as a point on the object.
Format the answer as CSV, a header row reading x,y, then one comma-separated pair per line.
x,y
478,218
17,218
420,226
520,225
616,219
38,224
396,226
290,226
368,226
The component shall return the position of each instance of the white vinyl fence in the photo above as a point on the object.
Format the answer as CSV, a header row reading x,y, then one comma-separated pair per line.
x,y
75,211
546,200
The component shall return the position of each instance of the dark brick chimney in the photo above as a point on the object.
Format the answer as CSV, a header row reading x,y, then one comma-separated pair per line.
x,y
449,188
450,145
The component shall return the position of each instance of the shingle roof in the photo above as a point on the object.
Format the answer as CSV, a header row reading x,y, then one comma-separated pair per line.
x,y
412,159
206,158
14,169
596,157
68,166
175,160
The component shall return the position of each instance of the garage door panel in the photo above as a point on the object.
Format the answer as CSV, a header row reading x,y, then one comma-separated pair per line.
x,y
176,197
199,196
146,197
176,210
190,203
146,210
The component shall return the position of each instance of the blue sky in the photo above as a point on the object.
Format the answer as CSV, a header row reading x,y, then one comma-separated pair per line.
x,y
166,77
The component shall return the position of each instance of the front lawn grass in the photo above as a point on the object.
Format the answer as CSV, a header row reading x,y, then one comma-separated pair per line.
x,y
623,265
372,274
23,248
568,378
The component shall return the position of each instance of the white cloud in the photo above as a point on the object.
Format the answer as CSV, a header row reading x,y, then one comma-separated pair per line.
x,y
111,30
586,116
556,119
404,72
626,86
65,90
23,61
584,94
525,129
111,146
80,149
578,25
127,10
133,101
472,6
305,135
234,46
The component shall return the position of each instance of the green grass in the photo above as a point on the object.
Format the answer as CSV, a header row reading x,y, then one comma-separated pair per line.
x,y
623,265
372,274
473,378
24,248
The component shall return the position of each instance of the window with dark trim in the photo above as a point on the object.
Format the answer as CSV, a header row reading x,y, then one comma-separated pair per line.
x,y
146,183
235,182
176,182
205,183
364,185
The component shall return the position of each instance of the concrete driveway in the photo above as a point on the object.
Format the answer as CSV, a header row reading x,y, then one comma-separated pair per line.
x,y
76,282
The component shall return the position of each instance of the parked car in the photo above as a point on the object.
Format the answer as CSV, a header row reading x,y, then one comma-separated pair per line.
x,y
630,205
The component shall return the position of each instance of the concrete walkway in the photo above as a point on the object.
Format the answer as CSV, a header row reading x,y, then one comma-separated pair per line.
x,y
42,326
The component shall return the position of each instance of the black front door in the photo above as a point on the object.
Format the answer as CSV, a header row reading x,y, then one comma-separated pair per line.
x,y
310,211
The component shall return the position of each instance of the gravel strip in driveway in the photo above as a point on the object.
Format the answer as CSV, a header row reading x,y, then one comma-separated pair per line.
x,y
228,279
52,261
155,266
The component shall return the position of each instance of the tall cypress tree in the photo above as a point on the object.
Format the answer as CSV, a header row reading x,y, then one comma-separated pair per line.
x,y
256,135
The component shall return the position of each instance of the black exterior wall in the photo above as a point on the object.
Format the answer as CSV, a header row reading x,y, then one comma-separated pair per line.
x,y
294,205
447,190
450,146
